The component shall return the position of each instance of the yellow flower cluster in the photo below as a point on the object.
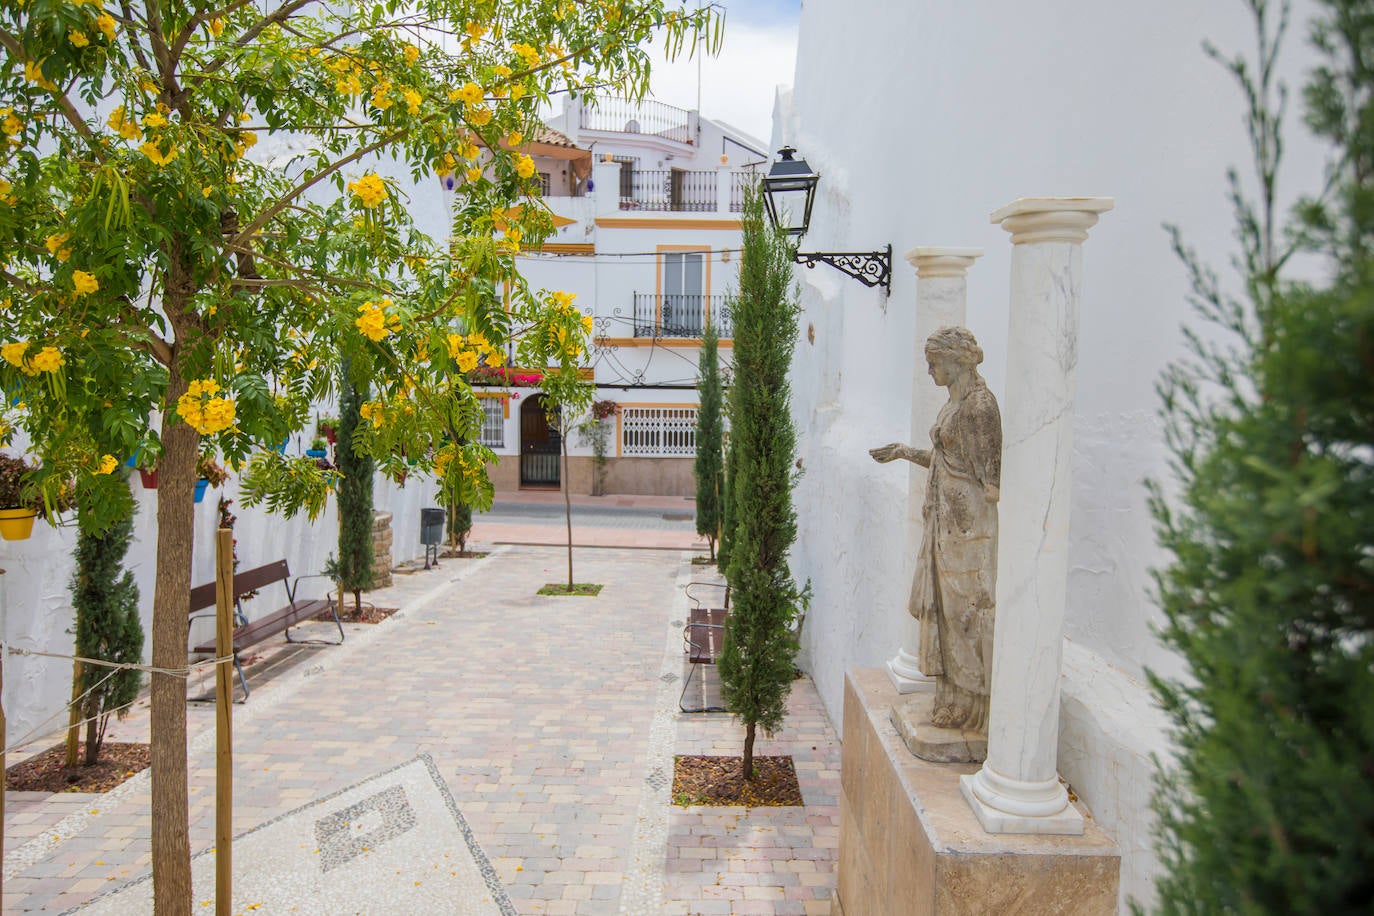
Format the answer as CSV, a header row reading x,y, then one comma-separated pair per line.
x,y
373,412
48,359
107,464
466,351
373,321
370,190
154,152
412,99
527,54
127,129
524,166
11,124
33,72
105,22
57,245
203,409
470,94
412,54
84,283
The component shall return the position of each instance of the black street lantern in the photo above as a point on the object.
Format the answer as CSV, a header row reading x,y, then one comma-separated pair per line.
x,y
789,190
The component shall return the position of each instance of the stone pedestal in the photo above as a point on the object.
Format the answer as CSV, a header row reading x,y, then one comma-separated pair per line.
x,y
911,718
381,549
941,302
910,846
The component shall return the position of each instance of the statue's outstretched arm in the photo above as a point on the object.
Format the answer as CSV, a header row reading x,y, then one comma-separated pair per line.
x,y
894,450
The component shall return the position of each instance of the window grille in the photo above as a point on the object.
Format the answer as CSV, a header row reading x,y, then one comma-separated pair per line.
x,y
493,423
658,431
544,184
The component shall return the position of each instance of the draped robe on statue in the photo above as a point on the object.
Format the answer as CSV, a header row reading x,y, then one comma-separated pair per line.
x,y
954,590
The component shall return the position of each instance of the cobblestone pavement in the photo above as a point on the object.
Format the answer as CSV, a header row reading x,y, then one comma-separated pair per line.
x,y
552,721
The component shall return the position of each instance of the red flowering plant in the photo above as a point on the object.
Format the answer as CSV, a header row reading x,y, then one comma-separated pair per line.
x,y
601,410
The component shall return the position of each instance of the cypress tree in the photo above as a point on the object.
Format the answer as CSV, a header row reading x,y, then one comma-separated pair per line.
x,y
353,568
756,664
710,432
727,508
1269,596
105,597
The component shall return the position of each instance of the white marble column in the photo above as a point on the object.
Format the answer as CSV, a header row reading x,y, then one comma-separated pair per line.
x,y
941,301
1018,788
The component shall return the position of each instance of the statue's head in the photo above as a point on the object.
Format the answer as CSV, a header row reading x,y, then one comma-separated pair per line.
x,y
956,344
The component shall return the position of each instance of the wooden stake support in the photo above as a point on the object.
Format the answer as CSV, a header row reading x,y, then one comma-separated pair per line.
x,y
224,704
74,717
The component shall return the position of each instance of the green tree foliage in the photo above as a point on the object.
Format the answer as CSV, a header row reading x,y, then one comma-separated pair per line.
x,y
756,665
1269,597
105,597
353,568
165,284
727,508
709,466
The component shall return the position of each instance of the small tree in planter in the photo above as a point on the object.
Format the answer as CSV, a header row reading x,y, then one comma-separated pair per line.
x,y
105,598
595,431
756,664
709,466
353,567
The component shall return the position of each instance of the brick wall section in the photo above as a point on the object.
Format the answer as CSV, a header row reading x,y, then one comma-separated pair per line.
x,y
381,549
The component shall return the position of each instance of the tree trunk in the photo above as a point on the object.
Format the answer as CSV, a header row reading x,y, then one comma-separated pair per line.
x,y
93,736
171,599
567,506
749,751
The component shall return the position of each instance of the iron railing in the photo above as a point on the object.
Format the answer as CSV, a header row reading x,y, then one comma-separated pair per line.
x,y
658,431
677,190
680,315
738,182
644,117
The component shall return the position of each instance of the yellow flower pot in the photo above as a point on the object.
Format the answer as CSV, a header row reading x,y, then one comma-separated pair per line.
x,y
16,524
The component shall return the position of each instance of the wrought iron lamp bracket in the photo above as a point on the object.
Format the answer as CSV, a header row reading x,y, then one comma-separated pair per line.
x,y
871,268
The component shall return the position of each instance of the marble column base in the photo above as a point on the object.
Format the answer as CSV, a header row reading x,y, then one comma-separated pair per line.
x,y
906,675
911,717
1005,805
910,845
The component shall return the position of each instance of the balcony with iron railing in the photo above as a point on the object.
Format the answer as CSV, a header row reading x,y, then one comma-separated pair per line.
x,y
683,190
680,315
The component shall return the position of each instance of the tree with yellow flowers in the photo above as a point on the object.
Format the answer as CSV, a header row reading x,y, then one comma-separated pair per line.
x,y
195,234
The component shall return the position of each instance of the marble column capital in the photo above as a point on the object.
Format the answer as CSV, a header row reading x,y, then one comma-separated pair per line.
x,y
1051,219
942,262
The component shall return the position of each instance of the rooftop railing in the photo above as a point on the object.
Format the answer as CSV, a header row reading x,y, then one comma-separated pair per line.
x,y
643,117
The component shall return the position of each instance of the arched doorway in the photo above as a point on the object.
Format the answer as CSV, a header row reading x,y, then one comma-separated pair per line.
x,y
540,444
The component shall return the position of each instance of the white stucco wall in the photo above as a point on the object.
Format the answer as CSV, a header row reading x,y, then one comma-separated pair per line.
x,y
922,118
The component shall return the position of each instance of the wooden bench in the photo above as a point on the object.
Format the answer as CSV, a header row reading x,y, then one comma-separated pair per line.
x,y
703,638
249,633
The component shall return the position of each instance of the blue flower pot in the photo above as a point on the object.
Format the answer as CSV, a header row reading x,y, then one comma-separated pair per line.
x,y
201,486
317,452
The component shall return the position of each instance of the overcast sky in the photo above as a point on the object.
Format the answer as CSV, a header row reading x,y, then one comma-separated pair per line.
x,y
758,53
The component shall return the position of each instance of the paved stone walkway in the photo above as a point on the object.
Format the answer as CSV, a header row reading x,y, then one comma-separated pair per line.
x,y
553,722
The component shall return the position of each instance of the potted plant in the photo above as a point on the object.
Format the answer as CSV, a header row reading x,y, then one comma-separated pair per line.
x,y
328,427
319,448
18,508
208,474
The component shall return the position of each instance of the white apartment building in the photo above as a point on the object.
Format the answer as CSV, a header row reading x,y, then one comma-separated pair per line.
x,y
648,198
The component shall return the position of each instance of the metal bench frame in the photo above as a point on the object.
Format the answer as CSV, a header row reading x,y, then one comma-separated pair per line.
x,y
703,638
249,633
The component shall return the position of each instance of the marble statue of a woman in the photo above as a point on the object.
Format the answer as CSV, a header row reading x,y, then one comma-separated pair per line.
x,y
954,588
